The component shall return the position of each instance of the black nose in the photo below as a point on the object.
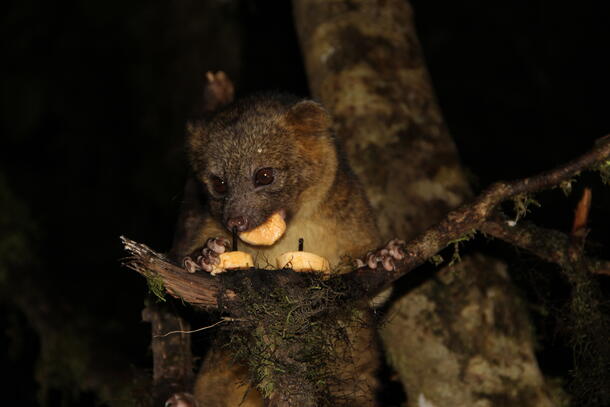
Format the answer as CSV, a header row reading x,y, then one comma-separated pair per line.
x,y
238,222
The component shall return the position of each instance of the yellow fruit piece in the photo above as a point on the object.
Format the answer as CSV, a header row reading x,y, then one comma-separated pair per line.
x,y
267,233
303,261
233,261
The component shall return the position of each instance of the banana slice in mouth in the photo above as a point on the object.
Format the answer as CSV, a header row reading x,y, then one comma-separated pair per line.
x,y
267,233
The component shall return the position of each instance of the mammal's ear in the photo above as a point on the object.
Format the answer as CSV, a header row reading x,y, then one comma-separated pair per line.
x,y
308,116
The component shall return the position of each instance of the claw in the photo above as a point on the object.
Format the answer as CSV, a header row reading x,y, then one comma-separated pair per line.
x,y
190,265
371,260
210,256
397,253
210,253
386,257
218,245
204,263
388,263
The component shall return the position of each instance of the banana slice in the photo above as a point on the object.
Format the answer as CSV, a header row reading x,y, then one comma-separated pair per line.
x,y
267,233
233,261
303,261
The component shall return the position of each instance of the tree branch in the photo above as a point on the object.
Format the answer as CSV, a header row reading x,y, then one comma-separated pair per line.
x,y
547,244
473,216
203,290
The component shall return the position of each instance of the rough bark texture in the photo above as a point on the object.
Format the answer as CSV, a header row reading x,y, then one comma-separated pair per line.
x,y
364,63
464,341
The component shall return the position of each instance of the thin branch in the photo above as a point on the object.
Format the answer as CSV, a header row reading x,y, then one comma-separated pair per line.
x,y
203,328
547,244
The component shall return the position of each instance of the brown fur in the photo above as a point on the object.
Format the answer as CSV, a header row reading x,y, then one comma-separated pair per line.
x,y
323,202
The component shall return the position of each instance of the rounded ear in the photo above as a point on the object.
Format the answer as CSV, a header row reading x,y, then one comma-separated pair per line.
x,y
308,116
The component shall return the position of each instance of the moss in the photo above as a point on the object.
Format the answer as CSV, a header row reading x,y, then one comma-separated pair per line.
x,y
604,171
566,186
156,286
521,205
292,331
589,328
437,259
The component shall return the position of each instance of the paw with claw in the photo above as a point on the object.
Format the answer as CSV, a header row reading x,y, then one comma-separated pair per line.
x,y
386,257
209,256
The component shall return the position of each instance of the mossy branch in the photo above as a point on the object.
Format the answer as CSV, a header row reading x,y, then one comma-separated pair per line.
x,y
203,290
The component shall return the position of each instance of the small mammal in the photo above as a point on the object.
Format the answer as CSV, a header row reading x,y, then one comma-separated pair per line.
x,y
271,154
263,155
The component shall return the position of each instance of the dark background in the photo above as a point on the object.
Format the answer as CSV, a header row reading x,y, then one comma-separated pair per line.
x,y
94,99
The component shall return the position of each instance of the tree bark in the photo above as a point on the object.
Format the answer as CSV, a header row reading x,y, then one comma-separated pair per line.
x,y
463,337
172,357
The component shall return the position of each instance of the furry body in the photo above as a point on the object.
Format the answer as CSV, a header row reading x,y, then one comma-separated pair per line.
x,y
312,186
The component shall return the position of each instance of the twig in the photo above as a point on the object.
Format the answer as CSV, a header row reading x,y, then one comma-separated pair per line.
x,y
222,320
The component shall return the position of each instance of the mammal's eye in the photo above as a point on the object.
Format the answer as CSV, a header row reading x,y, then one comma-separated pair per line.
x,y
219,185
264,176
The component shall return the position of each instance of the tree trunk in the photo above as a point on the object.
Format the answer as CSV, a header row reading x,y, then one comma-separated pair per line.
x,y
461,338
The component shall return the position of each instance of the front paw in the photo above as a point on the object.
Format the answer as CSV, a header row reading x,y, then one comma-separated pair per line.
x,y
209,257
386,257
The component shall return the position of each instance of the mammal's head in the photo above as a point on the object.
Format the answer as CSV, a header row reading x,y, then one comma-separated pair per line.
x,y
261,155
